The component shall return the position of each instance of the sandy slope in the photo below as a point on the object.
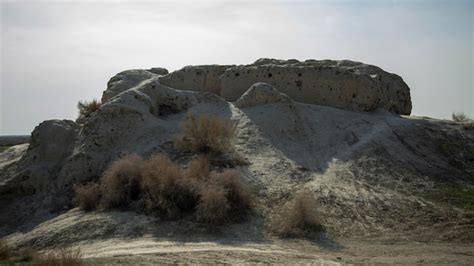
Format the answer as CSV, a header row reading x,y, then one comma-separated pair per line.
x,y
366,171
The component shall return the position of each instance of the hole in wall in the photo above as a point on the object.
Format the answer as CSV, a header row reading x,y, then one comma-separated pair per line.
x,y
167,109
299,83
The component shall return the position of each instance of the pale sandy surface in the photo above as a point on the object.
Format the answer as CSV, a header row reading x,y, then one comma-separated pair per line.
x,y
129,238
367,172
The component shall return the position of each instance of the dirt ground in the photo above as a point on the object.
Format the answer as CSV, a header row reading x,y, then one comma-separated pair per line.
x,y
281,252
129,238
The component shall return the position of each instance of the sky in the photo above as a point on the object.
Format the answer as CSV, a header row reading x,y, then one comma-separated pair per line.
x,y
55,53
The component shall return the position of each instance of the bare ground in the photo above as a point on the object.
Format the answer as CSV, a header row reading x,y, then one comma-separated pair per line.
x,y
379,181
131,239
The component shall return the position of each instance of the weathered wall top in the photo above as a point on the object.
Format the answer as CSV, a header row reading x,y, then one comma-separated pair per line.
x,y
343,84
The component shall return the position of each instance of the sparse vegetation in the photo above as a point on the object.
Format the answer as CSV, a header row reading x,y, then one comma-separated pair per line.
x,y
459,154
121,182
5,251
4,148
87,196
167,190
198,169
28,256
460,117
224,198
87,108
213,205
460,196
204,133
64,257
239,194
297,216
8,256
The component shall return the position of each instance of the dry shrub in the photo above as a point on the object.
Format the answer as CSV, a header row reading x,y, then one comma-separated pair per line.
x,y
87,196
64,257
225,198
87,108
165,188
213,207
297,216
205,133
460,117
239,194
168,191
5,250
198,169
120,183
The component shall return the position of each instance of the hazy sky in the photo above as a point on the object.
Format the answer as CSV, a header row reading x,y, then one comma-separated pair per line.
x,y
55,53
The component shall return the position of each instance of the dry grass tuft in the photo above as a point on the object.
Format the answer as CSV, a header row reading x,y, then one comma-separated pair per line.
x,y
460,117
204,133
198,169
87,196
165,188
298,216
213,207
120,183
239,194
87,108
5,250
64,257
225,198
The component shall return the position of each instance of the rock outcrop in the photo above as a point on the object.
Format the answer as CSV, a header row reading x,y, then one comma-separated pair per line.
x,y
52,143
128,79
